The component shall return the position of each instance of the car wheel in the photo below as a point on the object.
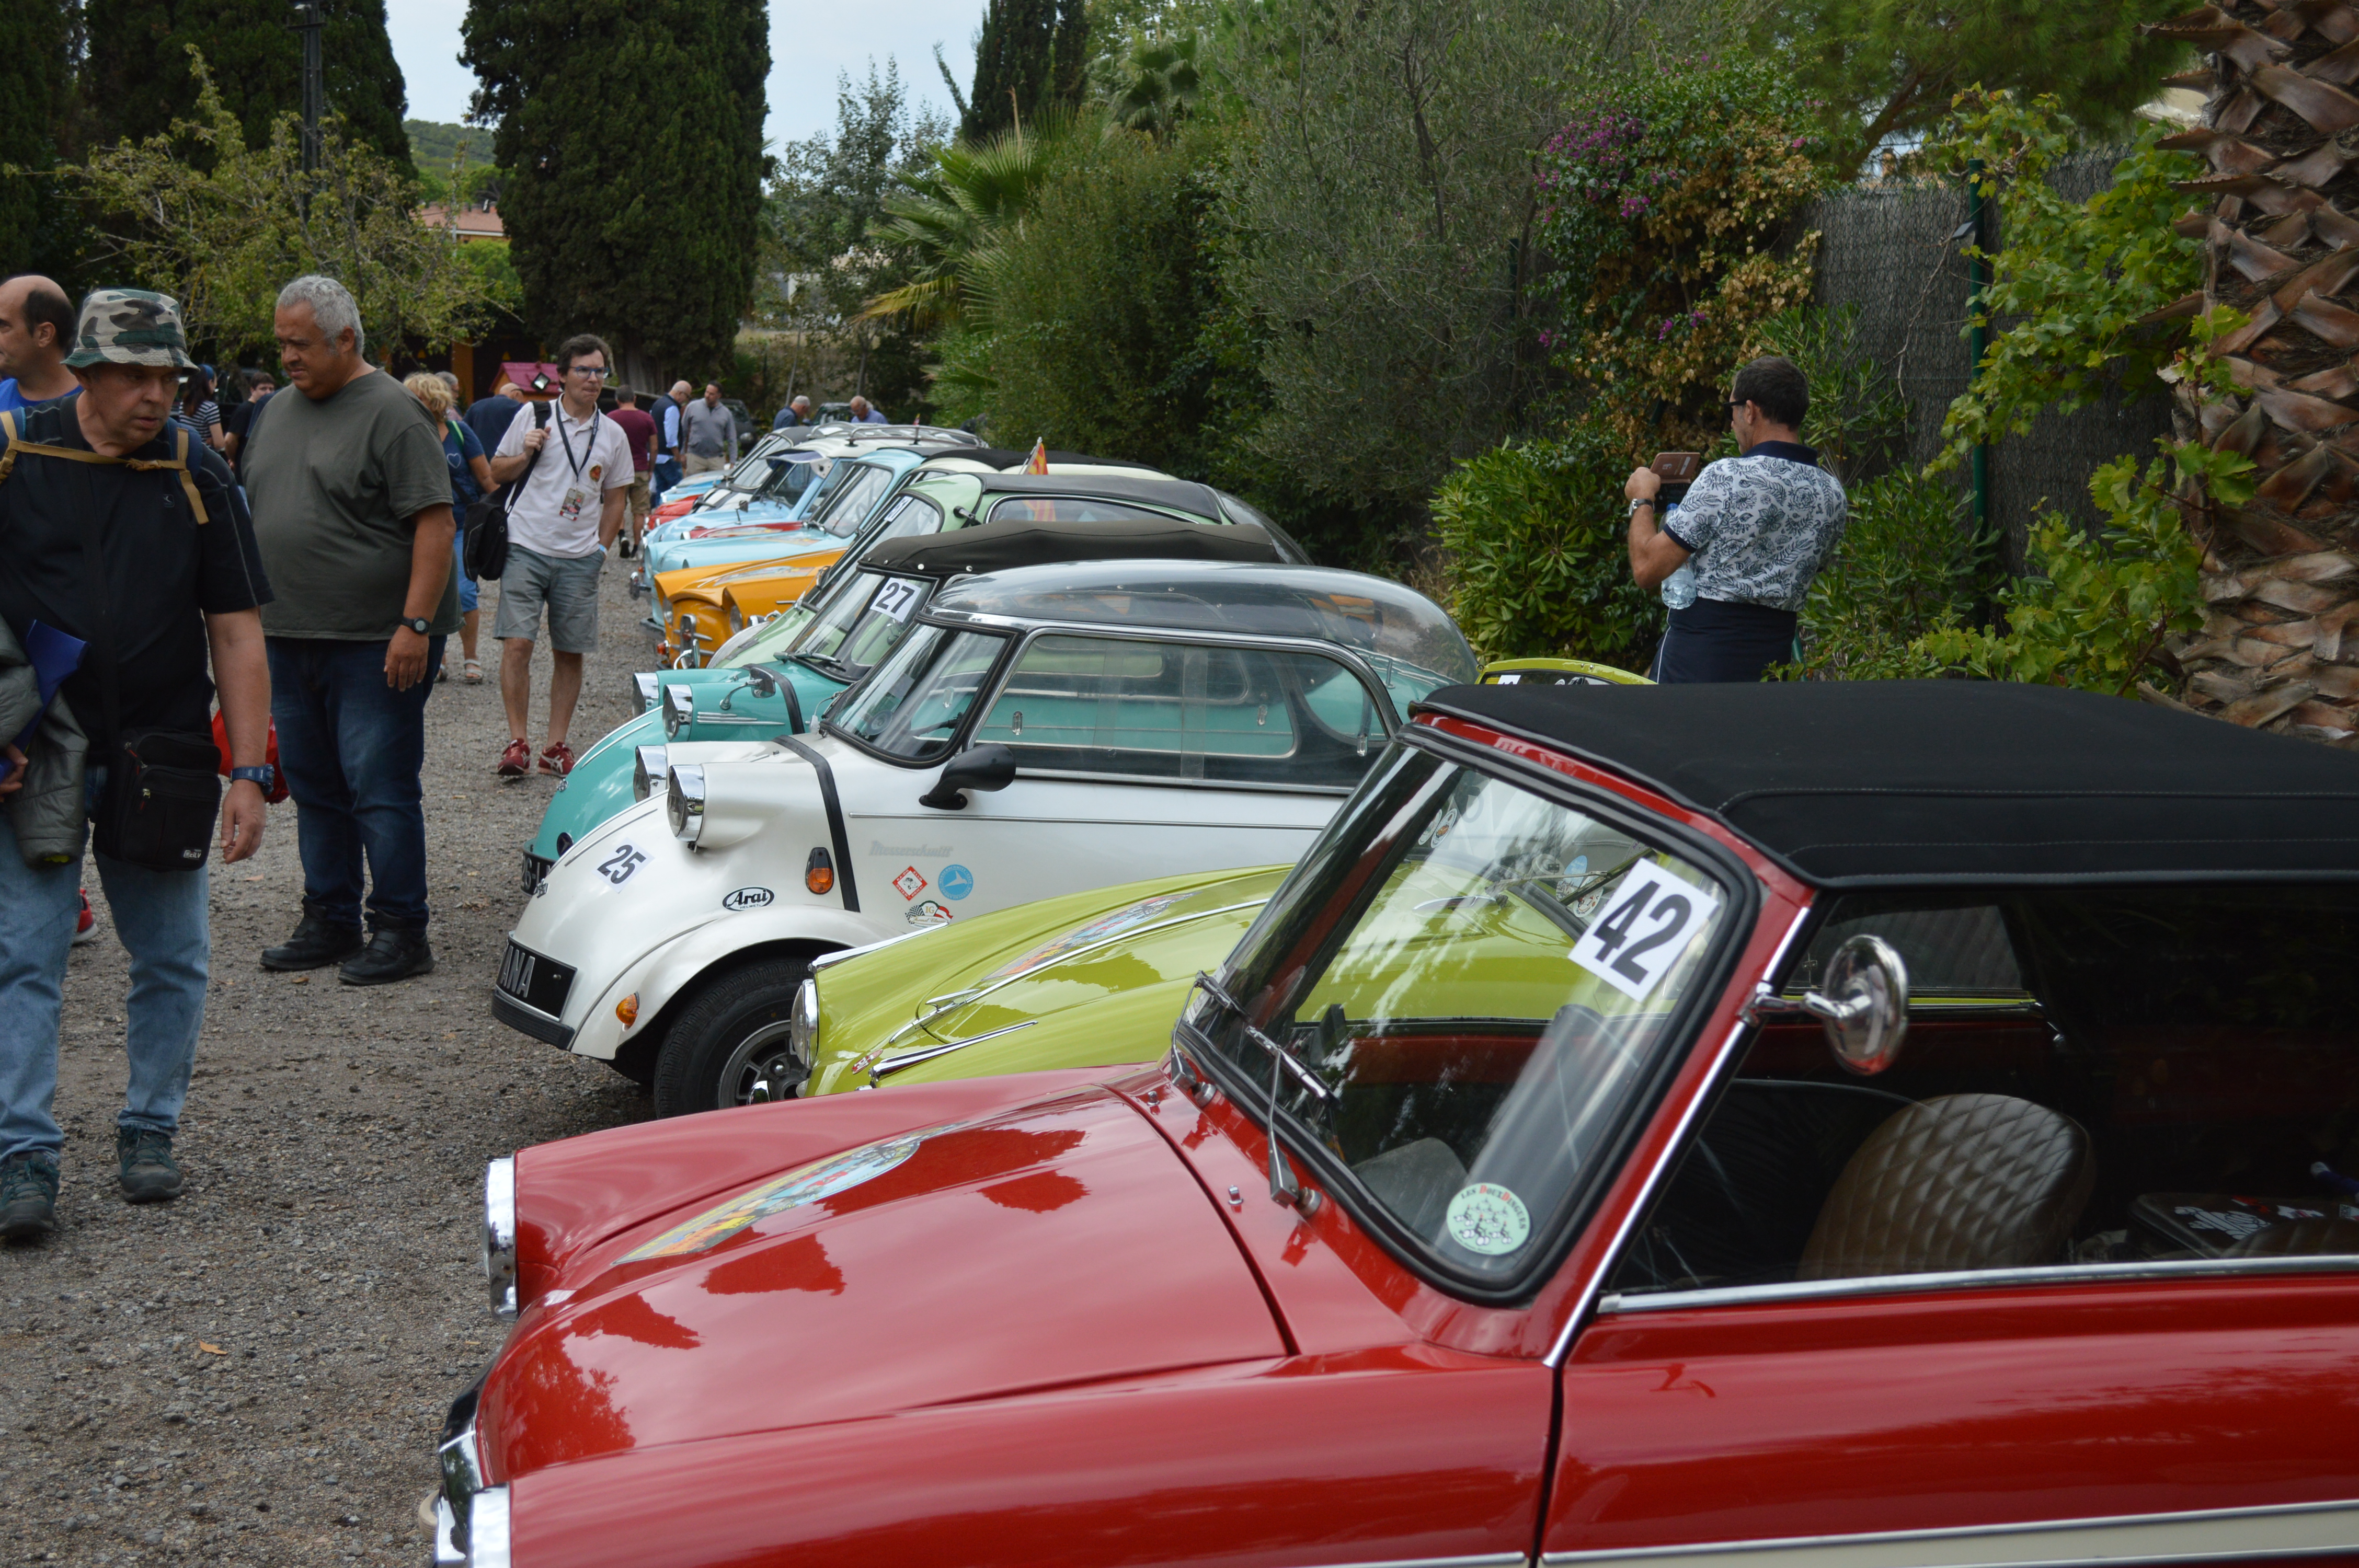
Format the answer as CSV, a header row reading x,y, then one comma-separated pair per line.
x,y
733,1035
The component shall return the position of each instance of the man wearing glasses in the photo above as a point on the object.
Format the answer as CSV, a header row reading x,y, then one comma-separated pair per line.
x,y
1758,526
570,471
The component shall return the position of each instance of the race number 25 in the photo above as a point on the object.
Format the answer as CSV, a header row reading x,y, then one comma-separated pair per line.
x,y
1642,928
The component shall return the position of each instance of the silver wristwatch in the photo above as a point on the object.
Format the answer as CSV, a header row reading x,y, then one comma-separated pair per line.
x,y
1641,501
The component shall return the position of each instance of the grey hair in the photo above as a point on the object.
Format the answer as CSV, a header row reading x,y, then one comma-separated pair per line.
x,y
331,306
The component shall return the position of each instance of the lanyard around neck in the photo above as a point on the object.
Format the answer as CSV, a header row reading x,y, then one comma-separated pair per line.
x,y
589,442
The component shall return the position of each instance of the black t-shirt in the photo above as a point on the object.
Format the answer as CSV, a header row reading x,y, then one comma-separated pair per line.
x,y
164,571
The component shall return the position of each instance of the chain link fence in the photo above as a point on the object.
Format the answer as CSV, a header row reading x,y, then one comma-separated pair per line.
x,y
1896,251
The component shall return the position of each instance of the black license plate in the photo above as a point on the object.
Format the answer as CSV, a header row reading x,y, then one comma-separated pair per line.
x,y
539,983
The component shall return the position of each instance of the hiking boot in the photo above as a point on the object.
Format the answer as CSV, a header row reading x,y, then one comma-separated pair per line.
x,y
150,1173
557,757
517,761
29,1197
316,943
393,955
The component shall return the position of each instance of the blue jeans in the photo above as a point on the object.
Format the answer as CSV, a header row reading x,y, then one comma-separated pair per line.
x,y
160,917
352,748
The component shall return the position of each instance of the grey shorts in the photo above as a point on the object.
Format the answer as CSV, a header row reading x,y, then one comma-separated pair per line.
x,y
567,586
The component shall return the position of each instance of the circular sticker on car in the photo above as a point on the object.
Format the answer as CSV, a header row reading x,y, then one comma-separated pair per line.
x,y
1488,1220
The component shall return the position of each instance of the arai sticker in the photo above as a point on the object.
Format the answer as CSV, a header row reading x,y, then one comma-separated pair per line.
x,y
1488,1220
808,1184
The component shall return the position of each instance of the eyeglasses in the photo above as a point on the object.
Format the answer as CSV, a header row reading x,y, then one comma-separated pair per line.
x,y
600,371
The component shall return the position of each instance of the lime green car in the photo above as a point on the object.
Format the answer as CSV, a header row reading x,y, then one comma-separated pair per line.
x,y
1090,980
1059,983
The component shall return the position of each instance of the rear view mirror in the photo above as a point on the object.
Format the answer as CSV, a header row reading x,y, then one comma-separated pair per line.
x,y
1863,1003
986,767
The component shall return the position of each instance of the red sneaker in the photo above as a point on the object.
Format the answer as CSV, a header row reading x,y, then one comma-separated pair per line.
x,y
85,923
557,757
517,761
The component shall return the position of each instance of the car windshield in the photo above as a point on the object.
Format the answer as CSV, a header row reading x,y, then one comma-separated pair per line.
x,y
860,624
789,481
1459,996
843,508
911,705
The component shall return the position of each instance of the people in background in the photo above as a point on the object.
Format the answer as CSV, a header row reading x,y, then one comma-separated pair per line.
x,y
708,431
863,413
1758,526
798,411
489,418
569,478
470,480
639,428
36,330
352,505
199,410
237,420
669,469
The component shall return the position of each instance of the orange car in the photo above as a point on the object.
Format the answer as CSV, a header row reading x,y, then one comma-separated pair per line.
x,y
689,608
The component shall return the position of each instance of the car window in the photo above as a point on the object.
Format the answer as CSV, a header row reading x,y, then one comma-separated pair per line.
x,y
1469,995
2091,1080
911,705
908,514
849,506
1184,711
857,628
789,482
1071,509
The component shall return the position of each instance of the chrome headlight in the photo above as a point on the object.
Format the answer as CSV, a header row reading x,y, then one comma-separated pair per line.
x,y
647,771
679,710
736,617
500,1234
647,688
802,1029
684,801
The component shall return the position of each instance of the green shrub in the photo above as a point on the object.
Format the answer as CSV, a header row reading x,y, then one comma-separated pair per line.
x,y
1906,565
1538,565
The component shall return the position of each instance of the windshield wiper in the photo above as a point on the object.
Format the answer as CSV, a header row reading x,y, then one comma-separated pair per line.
x,y
829,666
1283,1185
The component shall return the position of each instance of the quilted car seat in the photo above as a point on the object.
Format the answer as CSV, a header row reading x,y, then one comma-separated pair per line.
x,y
1962,1182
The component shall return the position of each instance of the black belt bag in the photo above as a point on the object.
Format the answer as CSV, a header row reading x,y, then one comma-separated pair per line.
x,y
163,793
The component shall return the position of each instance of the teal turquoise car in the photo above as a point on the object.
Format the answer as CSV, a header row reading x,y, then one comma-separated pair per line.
x,y
812,654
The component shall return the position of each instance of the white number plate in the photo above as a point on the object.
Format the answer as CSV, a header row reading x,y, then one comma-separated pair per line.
x,y
1641,929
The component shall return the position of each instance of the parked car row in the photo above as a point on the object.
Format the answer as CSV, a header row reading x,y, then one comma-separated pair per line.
x,y
1189,1068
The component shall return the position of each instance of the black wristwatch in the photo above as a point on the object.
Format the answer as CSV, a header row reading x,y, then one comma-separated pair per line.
x,y
418,624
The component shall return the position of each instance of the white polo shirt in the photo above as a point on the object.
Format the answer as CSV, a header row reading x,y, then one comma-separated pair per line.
x,y
556,511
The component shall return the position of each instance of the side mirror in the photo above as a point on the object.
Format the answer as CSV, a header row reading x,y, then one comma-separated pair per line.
x,y
985,767
1863,1004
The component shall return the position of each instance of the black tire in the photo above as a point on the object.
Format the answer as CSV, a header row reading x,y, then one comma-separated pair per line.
x,y
708,1040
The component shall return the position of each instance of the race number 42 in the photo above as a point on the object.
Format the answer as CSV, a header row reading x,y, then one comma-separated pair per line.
x,y
1641,929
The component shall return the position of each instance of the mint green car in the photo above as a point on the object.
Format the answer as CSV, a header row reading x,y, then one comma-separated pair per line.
x,y
1090,980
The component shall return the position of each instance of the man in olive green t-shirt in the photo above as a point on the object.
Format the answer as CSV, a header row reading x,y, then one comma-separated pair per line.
x,y
350,495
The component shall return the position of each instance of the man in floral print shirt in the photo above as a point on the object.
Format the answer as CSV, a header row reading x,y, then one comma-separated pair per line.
x,y
1759,526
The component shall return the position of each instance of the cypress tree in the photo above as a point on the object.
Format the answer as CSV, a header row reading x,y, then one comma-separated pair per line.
x,y
138,78
632,130
1069,72
1015,60
35,85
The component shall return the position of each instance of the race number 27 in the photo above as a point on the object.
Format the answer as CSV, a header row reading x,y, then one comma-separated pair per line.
x,y
1642,928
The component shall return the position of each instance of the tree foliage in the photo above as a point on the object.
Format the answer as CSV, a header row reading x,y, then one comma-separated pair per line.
x,y
1029,56
1886,69
632,130
35,84
137,83
1664,192
221,226
1388,214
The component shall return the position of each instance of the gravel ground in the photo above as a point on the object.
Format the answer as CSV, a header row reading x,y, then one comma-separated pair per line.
x,y
257,1373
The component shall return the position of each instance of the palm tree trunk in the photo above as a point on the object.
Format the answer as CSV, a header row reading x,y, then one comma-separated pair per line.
x,y
2281,573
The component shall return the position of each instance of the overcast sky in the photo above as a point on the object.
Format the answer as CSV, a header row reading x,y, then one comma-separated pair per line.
x,y
809,44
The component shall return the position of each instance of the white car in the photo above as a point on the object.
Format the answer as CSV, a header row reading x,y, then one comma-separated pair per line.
x,y
1038,731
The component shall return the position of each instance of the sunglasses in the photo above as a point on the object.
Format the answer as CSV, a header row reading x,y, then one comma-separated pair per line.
x,y
600,371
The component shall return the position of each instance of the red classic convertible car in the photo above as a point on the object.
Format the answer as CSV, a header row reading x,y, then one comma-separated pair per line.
x,y
1866,1125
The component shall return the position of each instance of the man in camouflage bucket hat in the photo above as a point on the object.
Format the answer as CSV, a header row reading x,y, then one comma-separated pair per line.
x,y
105,474
130,327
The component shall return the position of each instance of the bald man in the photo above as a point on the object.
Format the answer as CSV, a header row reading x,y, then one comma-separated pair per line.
x,y
37,328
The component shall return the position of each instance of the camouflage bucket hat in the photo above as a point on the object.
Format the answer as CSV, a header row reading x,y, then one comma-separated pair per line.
x,y
130,327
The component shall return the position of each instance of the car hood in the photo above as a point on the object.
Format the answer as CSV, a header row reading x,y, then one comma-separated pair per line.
x,y
1059,1243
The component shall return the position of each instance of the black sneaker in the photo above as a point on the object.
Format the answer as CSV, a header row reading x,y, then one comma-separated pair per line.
x,y
391,954
316,943
29,1197
150,1173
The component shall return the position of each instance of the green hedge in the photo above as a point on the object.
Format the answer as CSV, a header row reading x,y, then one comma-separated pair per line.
x,y
1539,564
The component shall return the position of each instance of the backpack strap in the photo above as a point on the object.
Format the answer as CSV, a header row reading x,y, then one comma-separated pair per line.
x,y
177,462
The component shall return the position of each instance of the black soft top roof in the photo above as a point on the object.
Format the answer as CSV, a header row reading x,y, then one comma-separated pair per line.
x,y
997,546
1852,784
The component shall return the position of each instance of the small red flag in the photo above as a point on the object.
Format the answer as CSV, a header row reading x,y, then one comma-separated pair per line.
x,y
1039,461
